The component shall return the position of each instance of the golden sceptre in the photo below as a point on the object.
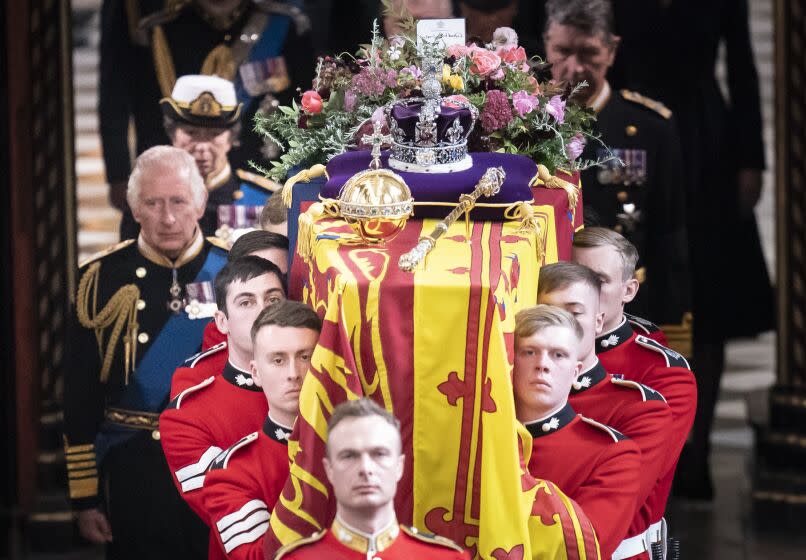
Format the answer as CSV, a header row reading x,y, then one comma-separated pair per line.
x,y
489,185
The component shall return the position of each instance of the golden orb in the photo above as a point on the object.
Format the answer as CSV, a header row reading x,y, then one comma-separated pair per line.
x,y
376,203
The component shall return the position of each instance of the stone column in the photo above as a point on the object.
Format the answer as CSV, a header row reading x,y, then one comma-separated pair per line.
x,y
779,482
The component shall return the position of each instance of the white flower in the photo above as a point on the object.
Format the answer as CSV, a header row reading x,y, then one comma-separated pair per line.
x,y
394,53
241,379
505,37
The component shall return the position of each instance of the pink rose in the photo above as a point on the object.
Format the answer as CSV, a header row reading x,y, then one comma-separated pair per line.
x,y
312,102
524,103
512,54
505,37
575,147
458,51
556,108
455,101
484,62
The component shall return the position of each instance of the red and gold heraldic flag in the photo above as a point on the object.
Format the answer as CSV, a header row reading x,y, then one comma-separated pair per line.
x,y
436,349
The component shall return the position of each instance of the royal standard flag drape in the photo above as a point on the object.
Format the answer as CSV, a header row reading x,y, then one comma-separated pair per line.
x,y
436,349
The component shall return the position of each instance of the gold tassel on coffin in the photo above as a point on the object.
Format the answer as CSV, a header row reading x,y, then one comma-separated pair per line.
x,y
120,311
303,176
546,179
525,212
305,239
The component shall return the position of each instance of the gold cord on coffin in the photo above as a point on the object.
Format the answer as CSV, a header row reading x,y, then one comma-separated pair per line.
x,y
489,185
303,176
546,179
530,223
119,312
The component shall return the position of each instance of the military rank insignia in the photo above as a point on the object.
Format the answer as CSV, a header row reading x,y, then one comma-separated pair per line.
x,y
235,220
633,172
200,300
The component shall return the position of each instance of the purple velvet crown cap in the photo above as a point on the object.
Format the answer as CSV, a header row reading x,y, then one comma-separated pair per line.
x,y
432,192
407,115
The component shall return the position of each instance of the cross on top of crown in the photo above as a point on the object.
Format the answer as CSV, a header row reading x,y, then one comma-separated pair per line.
x,y
377,139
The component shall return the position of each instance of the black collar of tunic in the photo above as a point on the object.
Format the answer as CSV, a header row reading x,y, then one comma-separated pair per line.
x,y
589,378
275,431
239,378
616,337
553,423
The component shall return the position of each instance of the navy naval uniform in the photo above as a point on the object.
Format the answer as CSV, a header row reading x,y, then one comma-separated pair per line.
x,y
643,200
265,48
127,335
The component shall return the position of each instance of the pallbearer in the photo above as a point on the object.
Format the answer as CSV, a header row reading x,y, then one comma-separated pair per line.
x,y
363,465
596,465
637,411
636,356
245,481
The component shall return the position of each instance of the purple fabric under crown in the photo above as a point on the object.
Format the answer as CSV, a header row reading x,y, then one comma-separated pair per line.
x,y
433,195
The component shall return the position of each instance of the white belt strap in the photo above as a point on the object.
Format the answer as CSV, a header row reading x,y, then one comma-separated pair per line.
x,y
657,533
631,546
642,542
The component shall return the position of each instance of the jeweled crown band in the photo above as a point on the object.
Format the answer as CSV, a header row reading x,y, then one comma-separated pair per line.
x,y
433,155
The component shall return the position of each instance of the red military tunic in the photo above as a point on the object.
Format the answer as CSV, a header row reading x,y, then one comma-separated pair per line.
x,y
397,542
646,361
212,336
197,368
639,324
204,420
638,412
595,465
243,485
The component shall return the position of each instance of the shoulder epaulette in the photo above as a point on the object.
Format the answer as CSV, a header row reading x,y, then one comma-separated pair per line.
x,y
220,243
169,13
430,538
673,359
105,252
612,432
196,358
177,401
656,106
642,324
647,393
299,543
258,180
301,20
223,458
